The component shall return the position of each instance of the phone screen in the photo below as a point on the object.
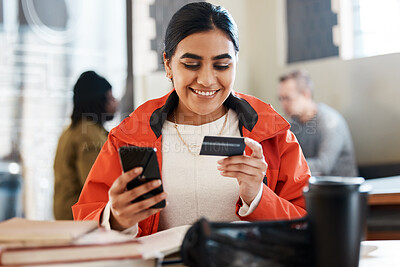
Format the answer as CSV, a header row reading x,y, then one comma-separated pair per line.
x,y
145,157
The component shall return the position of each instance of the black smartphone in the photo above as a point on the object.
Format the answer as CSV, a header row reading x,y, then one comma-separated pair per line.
x,y
145,157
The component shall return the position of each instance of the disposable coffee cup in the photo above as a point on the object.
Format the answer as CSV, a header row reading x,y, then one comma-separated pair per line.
x,y
336,208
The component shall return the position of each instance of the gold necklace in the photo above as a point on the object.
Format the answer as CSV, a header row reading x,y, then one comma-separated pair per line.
x,y
184,142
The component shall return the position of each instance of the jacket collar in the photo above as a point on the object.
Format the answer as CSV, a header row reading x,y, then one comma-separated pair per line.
x,y
257,119
247,116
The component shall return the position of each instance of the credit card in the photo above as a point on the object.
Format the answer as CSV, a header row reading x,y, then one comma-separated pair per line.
x,y
222,146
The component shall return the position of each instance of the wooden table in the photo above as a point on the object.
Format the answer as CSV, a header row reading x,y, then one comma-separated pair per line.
x,y
385,191
384,209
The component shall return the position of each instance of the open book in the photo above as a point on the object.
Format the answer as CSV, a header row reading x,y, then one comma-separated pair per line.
x,y
165,242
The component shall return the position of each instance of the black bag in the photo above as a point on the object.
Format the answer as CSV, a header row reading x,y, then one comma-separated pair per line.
x,y
268,243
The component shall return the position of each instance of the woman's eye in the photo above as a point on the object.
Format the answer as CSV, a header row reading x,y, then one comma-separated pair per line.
x,y
221,67
191,66
195,66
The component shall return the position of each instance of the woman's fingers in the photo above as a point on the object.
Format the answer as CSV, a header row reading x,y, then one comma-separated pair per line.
x,y
237,170
124,199
142,189
129,215
243,160
249,170
124,213
119,185
255,147
121,222
251,165
133,209
117,193
239,175
137,207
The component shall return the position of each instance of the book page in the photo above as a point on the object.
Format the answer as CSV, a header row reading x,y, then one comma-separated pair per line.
x,y
103,236
165,242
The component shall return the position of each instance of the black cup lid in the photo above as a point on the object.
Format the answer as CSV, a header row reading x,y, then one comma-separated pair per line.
x,y
335,180
334,184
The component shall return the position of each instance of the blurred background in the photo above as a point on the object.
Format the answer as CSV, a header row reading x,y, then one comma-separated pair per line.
x,y
349,47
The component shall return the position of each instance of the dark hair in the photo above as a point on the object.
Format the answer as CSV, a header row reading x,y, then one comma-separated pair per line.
x,y
90,98
302,79
198,17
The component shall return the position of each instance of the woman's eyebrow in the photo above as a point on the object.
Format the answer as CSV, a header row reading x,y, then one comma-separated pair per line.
x,y
222,56
194,56
190,55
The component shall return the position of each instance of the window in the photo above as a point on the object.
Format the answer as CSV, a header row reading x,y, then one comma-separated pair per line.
x,y
44,46
369,28
349,28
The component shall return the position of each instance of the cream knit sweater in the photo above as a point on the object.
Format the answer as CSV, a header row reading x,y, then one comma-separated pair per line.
x,y
194,185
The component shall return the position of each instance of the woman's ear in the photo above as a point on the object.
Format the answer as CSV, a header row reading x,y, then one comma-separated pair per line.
x,y
167,66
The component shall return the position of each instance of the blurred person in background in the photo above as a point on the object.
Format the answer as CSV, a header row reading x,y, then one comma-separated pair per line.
x,y
322,132
82,140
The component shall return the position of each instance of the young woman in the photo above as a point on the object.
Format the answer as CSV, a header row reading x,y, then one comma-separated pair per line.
x,y
200,57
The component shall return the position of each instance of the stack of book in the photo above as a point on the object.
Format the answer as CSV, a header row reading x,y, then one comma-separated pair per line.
x,y
81,243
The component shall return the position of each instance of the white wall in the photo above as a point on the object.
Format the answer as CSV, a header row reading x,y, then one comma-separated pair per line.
x,y
366,91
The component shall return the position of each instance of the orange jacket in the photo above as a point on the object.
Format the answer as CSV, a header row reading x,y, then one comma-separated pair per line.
x,y
287,173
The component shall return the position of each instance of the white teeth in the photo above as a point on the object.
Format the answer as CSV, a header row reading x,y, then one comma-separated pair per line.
x,y
205,93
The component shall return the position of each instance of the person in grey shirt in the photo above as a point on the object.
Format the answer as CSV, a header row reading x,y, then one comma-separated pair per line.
x,y
322,132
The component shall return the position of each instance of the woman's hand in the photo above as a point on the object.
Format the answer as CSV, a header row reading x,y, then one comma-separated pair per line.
x,y
248,170
125,214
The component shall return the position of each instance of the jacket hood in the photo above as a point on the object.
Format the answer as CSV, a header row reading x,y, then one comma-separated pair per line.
x,y
257,119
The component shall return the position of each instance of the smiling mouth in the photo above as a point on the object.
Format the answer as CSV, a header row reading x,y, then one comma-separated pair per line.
x,y
205,93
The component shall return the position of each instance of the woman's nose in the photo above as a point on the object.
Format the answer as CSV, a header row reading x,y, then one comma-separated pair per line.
x,y
206,76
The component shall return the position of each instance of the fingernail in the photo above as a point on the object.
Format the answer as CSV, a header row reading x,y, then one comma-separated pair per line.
x,y
138,169
220,161
157,182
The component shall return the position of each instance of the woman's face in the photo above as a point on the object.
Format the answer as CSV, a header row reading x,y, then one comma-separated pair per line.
x,y
203,71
